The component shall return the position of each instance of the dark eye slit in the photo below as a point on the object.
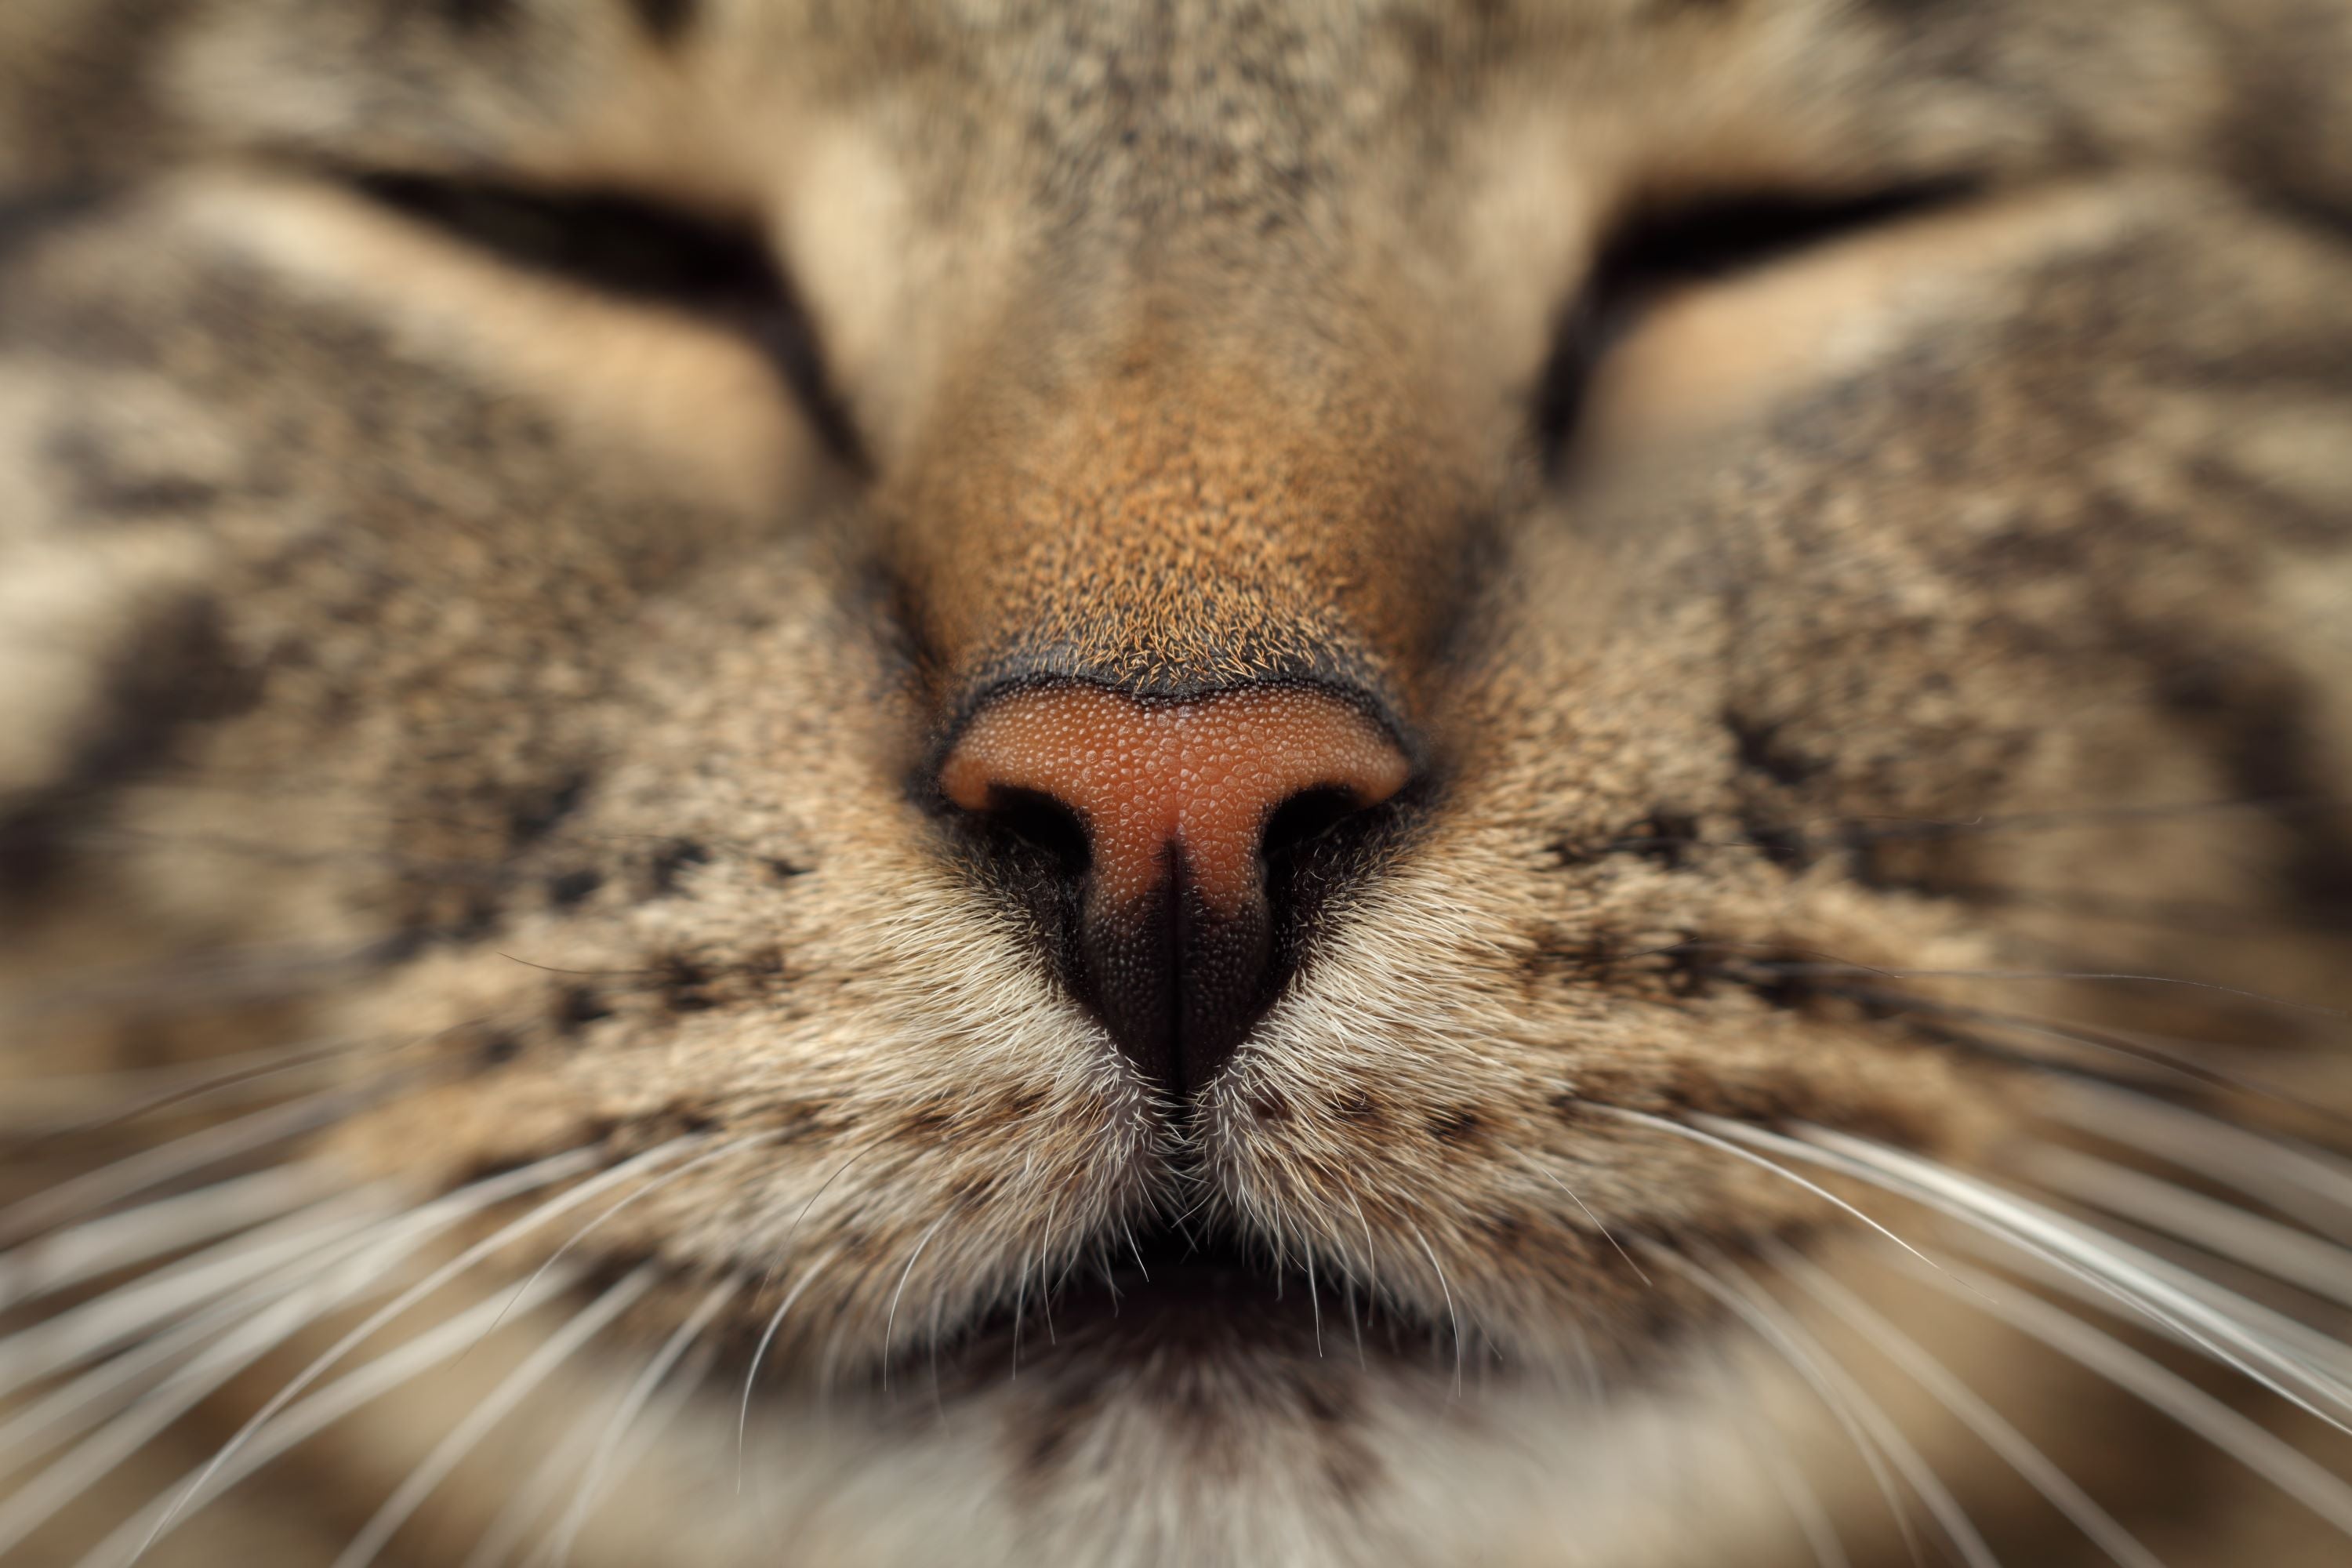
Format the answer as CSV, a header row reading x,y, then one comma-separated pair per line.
x,y
1666,245
641,250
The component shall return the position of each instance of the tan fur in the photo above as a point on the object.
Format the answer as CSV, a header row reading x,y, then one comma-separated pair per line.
x,y
407,651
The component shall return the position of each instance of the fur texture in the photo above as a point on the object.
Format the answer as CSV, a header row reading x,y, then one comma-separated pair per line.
x,y
1907,704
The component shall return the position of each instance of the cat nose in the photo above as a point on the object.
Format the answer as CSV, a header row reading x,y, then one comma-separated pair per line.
x,y
1167,813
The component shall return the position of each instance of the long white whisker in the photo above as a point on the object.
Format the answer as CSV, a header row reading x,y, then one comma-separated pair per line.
x,y
631,1405
1453,1316
760,1353
2130,1274
229,1080
153,1167
577,1236
1916,1473
553,1352
1804,1504
2316,1265
2304,1348
37,1106
399,1365
1978,1416
1771,1323
2246,1440
1314,1299
1719,1133
550,1478
554,1168
642,1436
2313,1187
1355,1326
73,1407
2286,1004
99,1325
2174,1299
1569,1193
1020,1308
1046,1282
890,1324
1371,1257
64,1258
101,1453
783,1251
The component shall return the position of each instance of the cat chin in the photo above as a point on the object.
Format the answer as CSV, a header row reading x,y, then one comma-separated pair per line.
x,y
1243,1454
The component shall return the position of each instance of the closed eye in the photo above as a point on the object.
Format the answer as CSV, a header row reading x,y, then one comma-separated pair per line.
x,y
643,251
1661,247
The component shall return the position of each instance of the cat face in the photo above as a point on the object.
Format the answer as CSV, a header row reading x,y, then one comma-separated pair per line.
x,y
1220,781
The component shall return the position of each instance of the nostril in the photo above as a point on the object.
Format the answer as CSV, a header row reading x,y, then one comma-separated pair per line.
x,y
1046,825
1306,817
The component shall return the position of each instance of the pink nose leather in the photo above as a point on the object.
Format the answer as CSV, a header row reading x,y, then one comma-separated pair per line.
x,y
1153,782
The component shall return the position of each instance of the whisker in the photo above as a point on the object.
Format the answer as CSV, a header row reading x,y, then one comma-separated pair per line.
x,y
1771,1323
1314,1300
2132,1047
890,1324
2322,1356
1852,832
65,1341
639,1440
556,1167
1047,1281
1730,1130
1804,1504
75,1407
1922,827
1921,1477
348,1276
577,1236
2177,1298
2248,1441
394,1369
554,1473
631,1405
1020,1308
123,1099
2313,1187
553,1352
2130,1275
2004,1439
2224,1229
64,1258
783,1251
219,975
1453,1316
2187,915
1607,1235
759,1354
153,1167
2287,1004
1356,1325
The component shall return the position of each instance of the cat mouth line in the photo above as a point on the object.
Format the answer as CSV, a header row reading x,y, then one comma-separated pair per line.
x,y
1200,1290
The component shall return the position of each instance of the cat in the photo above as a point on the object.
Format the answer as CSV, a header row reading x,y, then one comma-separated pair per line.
x,y
1465,781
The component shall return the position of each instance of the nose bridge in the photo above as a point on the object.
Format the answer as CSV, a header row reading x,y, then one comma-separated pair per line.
x,y
1183,514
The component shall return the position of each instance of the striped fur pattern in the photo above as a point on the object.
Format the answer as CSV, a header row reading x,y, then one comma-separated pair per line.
x,y
1839,1058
